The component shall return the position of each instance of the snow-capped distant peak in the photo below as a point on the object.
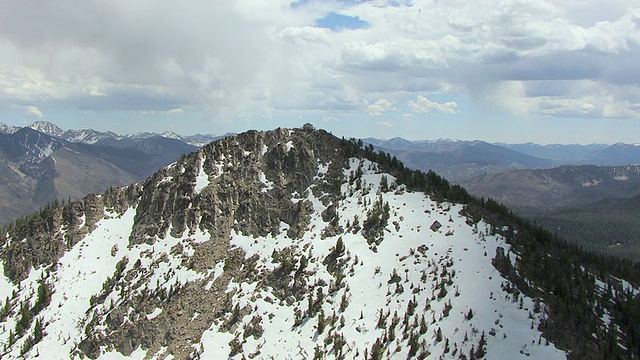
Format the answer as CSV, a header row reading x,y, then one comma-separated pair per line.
x,y
47,128
170,135
8,129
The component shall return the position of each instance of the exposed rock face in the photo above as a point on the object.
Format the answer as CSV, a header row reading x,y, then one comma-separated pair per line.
x,y
56,229
272,166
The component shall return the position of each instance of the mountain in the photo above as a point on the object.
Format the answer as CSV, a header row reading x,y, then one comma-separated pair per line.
x,y
37,169
592,206
618,154
562,186
7,129
396,143
593,154
295,244
109,138
563,154
89,136
48,128
459,160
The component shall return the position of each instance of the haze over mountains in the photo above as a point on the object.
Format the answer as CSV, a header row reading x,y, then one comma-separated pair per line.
x,y
296,244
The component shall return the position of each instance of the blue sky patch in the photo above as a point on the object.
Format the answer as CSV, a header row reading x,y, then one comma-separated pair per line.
x,y
338,22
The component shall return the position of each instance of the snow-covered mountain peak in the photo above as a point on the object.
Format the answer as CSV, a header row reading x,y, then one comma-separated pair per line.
x,y
47,128
280,244
170,135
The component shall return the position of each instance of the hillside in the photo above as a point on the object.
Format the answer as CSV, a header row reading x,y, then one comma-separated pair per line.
x,y
295,244
592,206
608,226
563,186
462,161
457,160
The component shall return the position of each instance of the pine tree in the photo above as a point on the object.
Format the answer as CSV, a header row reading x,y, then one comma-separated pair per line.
x,y
321,322
469,314
438,335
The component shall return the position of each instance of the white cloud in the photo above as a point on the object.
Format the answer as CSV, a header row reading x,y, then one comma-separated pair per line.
x,y
380,107
243,58
424,105
175,111
584,98
33,111
330,118
385,123
306,35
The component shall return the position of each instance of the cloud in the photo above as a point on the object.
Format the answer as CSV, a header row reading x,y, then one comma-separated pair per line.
x,y
244,59
306,35
424,105
166,112
33,111
175,111
385,123
380,106
584,98
330,118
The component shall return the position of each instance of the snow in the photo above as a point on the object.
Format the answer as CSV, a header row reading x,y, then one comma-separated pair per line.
x,y
202,179
591,183
165,180
463,252
457,255
154,314
217,271
268,185
45,151
77,278
289,145
6,287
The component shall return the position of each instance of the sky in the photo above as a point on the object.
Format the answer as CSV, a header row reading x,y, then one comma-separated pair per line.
x,y
502,70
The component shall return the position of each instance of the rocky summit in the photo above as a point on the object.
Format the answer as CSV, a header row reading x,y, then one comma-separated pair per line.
x,y
290,244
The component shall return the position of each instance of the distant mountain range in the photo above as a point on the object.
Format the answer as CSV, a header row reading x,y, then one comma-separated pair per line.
x,y
41,163
564,186
93,137
460,160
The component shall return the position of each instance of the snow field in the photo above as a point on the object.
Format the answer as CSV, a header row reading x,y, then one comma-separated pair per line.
x,y
456,249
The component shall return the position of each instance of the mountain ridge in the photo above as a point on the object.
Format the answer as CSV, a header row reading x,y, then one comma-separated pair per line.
x,y
268,244
94,137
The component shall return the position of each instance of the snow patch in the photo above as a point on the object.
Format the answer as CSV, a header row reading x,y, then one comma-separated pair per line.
x,y
594,182
268,185
202,179
154,314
